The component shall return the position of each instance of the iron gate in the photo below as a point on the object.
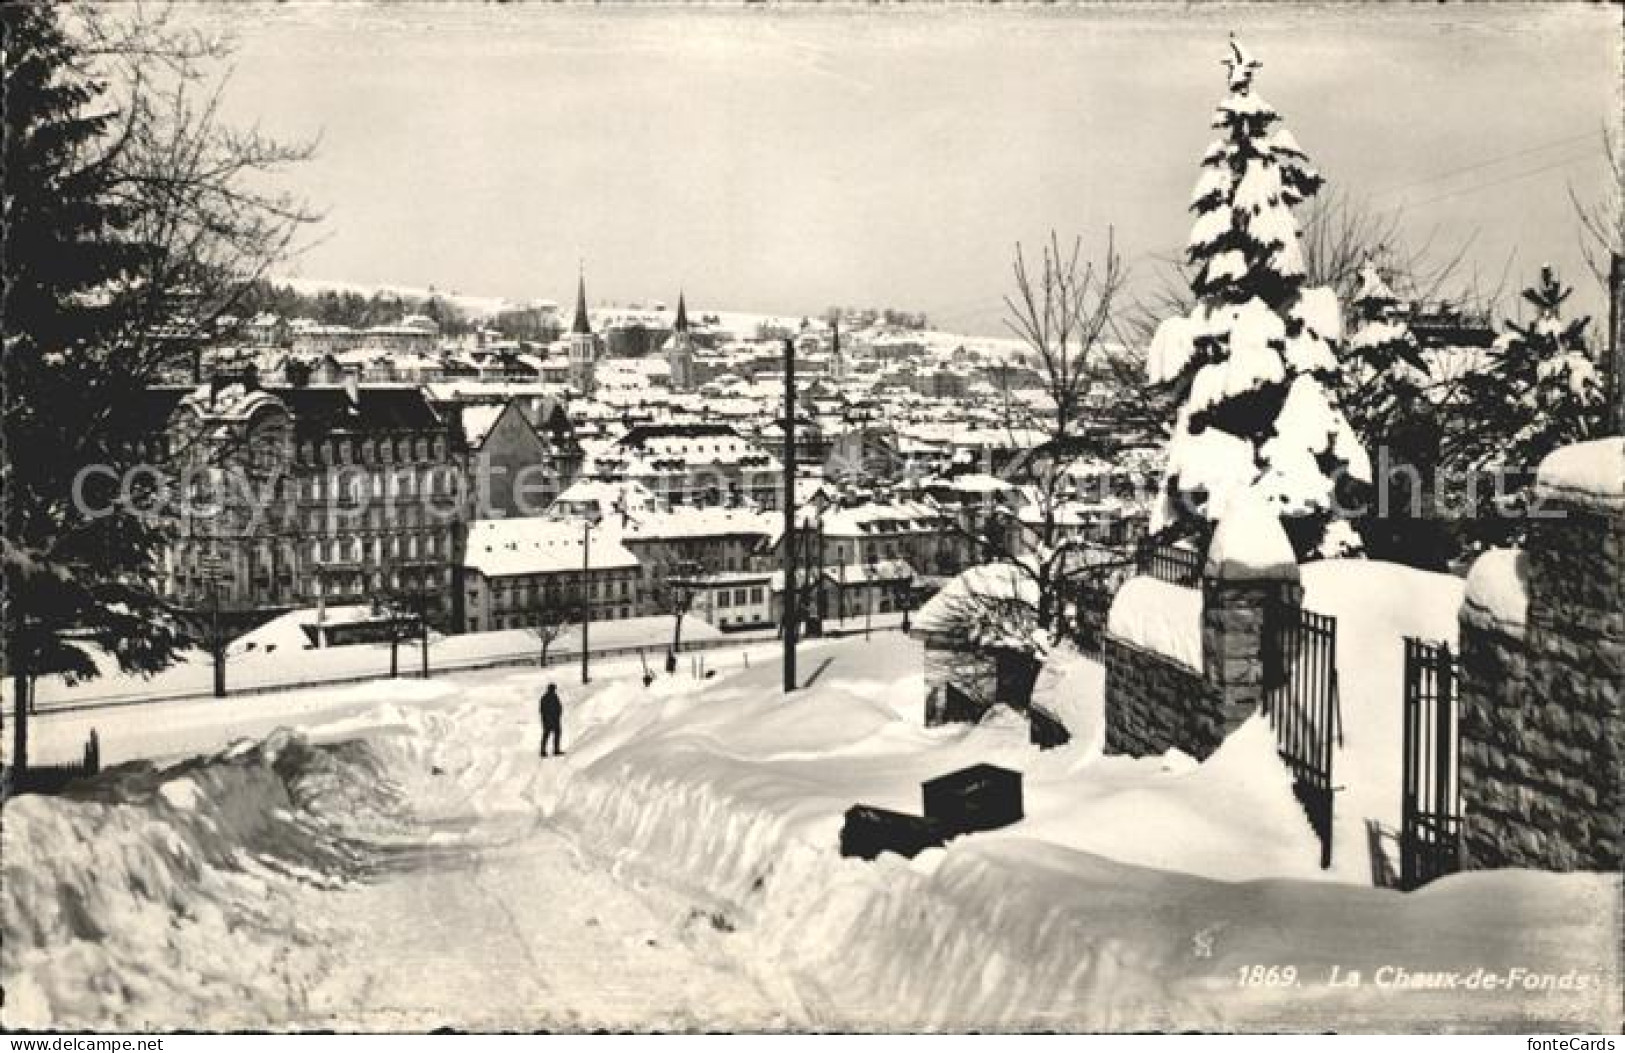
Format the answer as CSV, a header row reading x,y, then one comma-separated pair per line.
x,y
1301,701
1430,802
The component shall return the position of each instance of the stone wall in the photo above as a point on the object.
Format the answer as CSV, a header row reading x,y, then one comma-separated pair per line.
x,y
1494,769
1154,704
1541,720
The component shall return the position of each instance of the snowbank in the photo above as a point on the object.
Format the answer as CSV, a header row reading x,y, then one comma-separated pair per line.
x,y
1162,618
1497,590
211,888
1588,474
1089,914
153,900
1071,688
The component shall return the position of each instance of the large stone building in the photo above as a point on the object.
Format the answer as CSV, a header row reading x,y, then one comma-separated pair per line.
x,y
299,496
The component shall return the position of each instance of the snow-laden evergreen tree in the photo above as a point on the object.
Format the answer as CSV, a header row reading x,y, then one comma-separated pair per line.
x,y
1255,363
1385,371
1387,399
1539,390
1550,387
75,579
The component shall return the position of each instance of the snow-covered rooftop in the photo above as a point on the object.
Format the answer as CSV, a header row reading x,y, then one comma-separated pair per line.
x,y
516,547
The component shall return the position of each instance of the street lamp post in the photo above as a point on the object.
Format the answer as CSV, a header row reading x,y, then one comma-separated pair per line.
x,y
217,643
869,587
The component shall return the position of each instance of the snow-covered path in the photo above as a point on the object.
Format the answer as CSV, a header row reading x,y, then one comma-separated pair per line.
x,y
531,935
493,915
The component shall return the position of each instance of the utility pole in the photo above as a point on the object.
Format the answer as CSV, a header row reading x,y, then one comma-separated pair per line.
x,y
586,598
217,642
792,610
1616,340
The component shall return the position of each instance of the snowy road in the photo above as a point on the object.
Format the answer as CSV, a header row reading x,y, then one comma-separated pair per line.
x,y
530,935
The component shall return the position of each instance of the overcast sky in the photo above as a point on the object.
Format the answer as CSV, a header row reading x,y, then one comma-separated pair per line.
x,y
784,160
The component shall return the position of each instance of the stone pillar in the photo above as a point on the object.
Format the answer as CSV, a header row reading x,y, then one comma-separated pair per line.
x,y
1575,647
1250,579
1236,616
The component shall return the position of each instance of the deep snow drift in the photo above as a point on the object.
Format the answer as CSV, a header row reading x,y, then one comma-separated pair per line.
x,y
168,898
738,792
679,869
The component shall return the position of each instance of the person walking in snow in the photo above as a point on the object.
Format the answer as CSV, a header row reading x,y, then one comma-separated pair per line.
x,y
552,713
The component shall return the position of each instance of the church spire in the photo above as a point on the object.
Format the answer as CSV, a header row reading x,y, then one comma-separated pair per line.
x,y
681,325
581,325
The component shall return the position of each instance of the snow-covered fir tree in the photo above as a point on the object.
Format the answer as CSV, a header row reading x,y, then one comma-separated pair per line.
x,y
1385,372
1255,363
1550,388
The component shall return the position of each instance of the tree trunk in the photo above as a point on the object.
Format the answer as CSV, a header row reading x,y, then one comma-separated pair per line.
x,y
677,633
19,724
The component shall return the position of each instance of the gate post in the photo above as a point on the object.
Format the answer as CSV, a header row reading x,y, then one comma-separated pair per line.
x,y
1249,582
1543,671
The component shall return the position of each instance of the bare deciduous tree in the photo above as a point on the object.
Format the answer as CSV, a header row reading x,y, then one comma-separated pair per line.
x,y
1602,221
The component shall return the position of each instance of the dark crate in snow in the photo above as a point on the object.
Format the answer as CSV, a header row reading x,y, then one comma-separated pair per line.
x,y
981,797
870,831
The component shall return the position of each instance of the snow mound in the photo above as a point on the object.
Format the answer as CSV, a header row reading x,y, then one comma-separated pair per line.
x,y
1497,590
1071,688
1588,474
149,900
1162,618
1086,915
1250,545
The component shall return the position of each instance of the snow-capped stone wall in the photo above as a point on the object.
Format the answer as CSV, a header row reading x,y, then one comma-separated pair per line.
x,y
1541,707
1154,704
1157,700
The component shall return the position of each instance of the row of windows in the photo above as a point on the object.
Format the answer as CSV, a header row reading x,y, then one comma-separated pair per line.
x,y
404,517
397,482
506,594
393,546
520,621
345,451
740,597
